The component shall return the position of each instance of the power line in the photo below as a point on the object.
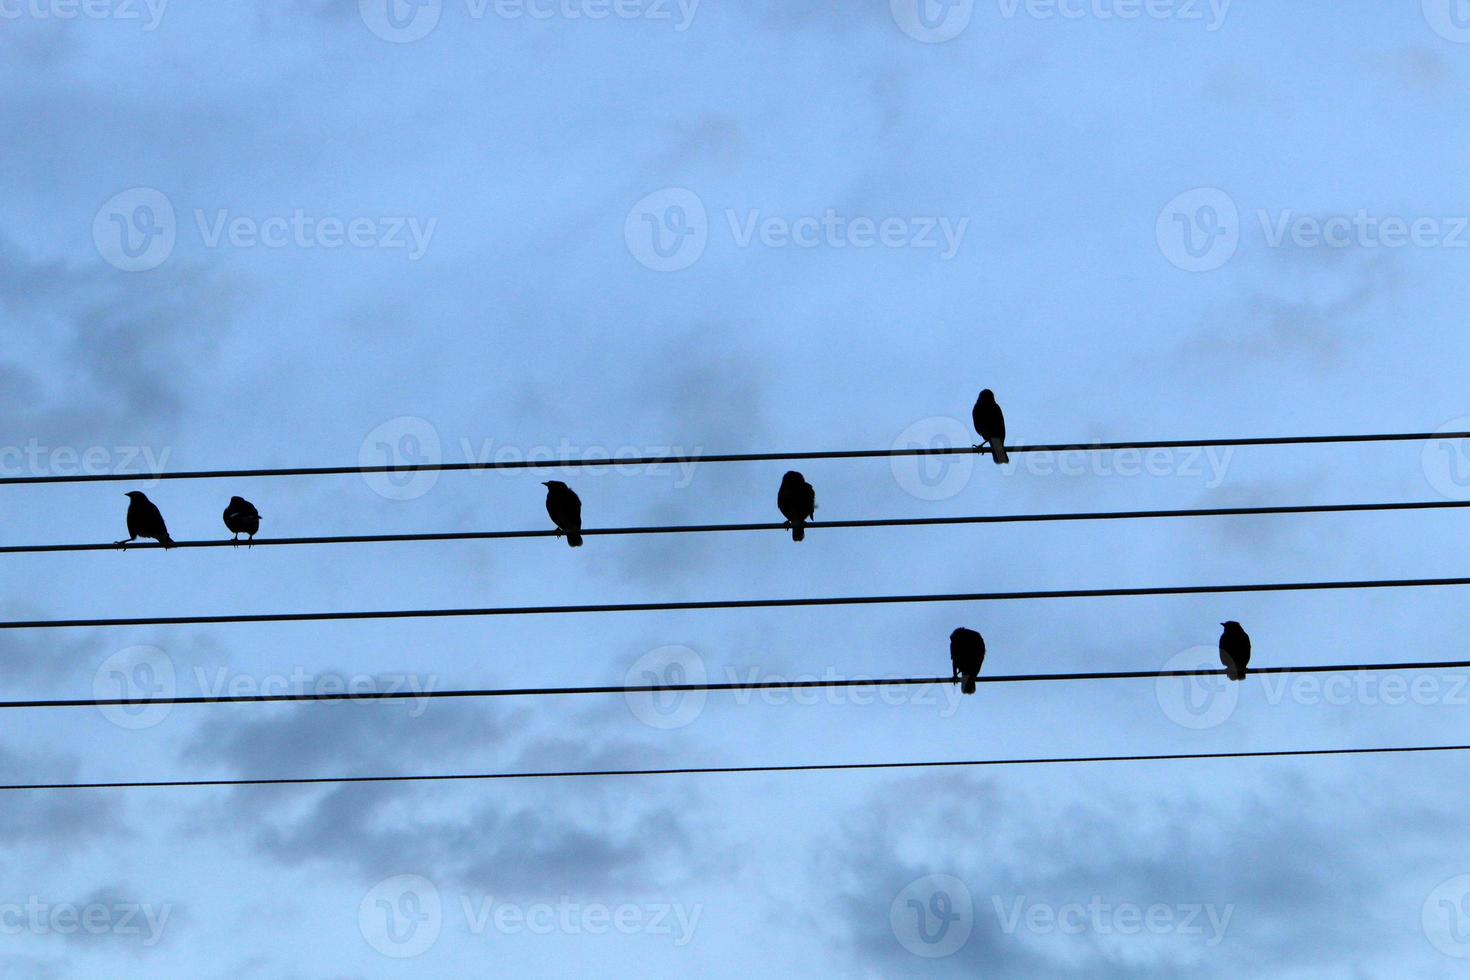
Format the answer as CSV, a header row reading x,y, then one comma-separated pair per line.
x,y
382,614
683,458
814,525
771,685
729,770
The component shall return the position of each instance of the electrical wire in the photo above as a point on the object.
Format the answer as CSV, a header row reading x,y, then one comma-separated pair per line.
x,y
387,614
811,526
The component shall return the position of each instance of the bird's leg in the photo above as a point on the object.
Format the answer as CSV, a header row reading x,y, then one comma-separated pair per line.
x,y
124,544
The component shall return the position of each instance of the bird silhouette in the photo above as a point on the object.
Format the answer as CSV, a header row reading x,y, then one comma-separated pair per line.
x,y
241,517
798,502
990,423
1235,650
966,655
565,508
145,521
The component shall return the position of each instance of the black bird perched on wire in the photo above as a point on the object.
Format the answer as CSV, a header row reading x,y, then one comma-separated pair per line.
x,y
990,423
241,517
1235,650
798,502
145,521
966,655
565,508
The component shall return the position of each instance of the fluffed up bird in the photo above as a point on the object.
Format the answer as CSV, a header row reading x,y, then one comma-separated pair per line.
x,y
990,423
966,655
241,517
798,503
565,508
145,521
1235,650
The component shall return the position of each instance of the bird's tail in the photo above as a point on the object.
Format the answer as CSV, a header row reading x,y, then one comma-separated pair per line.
x,y
798,532
998,452
1235,672
574,539
968,687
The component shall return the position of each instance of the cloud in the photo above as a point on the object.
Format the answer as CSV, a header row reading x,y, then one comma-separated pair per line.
x,y
1282,871
59,822
504,837
127,345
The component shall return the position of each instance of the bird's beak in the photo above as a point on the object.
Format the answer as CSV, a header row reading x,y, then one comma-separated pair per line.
x,y
1222,624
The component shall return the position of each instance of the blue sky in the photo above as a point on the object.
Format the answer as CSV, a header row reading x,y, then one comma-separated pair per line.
x,y
298,233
